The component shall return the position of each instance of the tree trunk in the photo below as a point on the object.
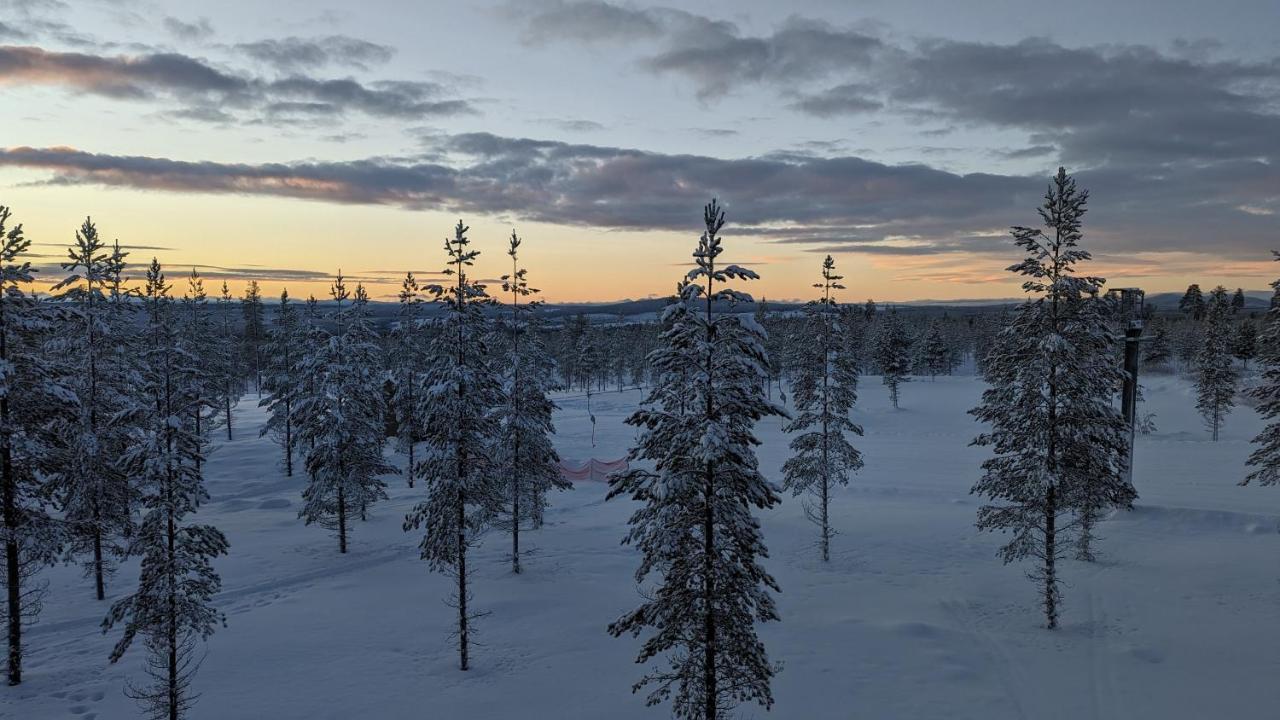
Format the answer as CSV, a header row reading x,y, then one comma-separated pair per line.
x,y
1050,552
99,583
342,520
13,576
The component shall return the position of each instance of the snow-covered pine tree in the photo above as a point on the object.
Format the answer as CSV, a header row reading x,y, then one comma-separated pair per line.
x,y
342,420
1237,301
1244,345
825,387
255,332
527,459
695,527
893,353
1158,350
227,359
934,354
406,362
172,608
461,396
199,341
29,393
1216,376
1059,444
285,341
1265,458
590,360
1192,302
93,490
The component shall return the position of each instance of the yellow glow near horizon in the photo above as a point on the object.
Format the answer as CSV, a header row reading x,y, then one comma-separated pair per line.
x,y
378,244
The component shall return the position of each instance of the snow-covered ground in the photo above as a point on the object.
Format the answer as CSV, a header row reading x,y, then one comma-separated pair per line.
x,y
914,617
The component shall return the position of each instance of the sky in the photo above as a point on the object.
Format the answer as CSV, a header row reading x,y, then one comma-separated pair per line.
x,y
284,141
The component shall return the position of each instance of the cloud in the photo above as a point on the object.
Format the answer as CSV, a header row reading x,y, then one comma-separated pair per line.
x,y
717,57
1122,104
292,54
825,202
210,93
587,22
573,125
201,29
12,32
847,99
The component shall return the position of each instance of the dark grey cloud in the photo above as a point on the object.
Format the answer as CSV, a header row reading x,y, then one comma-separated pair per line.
x,y
795,198
1127,105
1031,151
718,58
292,54
211,93
1122,104
847,99
200,29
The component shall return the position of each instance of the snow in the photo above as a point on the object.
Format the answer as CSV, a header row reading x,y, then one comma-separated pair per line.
x,y
914,617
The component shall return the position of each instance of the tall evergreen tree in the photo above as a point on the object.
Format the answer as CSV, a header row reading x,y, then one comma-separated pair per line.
x,y
695,528
255,332
893,354
460,396
1244,344
825,388
1159,351
281,376
1059,444
172,608
1216,376
94,491
406,361
200,342
934,353
28,391
1237,301
1265,458
1192,303
342,420
528,461
228,359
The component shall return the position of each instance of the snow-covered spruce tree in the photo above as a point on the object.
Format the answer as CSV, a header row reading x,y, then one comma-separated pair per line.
x,y
1244,345
695,528
825,387
342,420
460,397
1265,458
1058,442
281,376
526,457
255,332
227,359
934,353
93,490
29,393
406,363
893,353
172,608
1237,301
202,344
1159,350
1192,303
1216,376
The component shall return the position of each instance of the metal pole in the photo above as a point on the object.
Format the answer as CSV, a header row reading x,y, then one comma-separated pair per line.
x,y
1132,338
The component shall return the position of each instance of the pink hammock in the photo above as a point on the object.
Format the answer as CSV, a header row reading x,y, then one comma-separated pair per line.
x,y
592,470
